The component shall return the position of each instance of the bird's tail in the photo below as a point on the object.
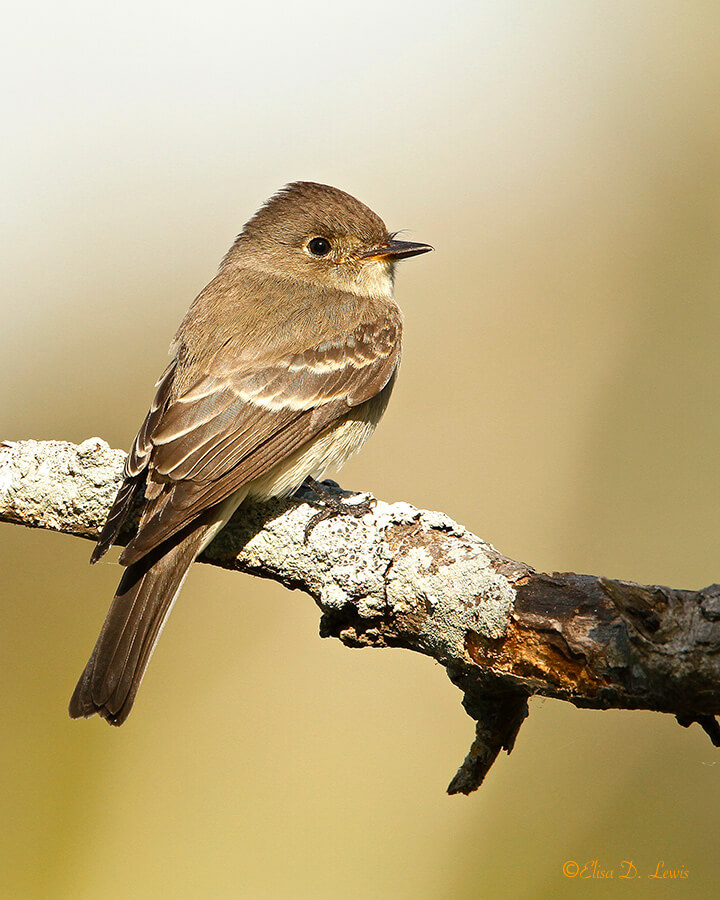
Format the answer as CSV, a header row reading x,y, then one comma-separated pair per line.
x,y
144,598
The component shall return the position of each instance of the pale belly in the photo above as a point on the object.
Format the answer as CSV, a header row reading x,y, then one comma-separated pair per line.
x,y
329,450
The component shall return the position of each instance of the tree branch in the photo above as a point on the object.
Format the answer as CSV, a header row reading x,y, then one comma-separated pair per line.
x,y
404,577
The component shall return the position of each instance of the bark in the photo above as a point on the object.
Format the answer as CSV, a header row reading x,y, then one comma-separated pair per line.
x,y
404,577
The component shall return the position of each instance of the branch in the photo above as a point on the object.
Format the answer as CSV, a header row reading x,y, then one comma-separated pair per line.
x,y
406,577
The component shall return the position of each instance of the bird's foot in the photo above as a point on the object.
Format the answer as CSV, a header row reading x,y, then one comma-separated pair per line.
x,y
332,506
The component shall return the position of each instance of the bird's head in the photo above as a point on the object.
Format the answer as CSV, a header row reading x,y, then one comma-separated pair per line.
x,y
318,234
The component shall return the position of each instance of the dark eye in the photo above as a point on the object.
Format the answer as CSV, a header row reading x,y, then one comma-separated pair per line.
x,y
319,246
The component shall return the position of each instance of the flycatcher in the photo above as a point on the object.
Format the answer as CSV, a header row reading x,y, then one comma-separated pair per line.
x,y
282,367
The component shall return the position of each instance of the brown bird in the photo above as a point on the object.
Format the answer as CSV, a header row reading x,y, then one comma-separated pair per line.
x,y
281,368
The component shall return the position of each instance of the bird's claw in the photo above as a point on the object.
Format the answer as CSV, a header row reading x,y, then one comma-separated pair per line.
x,y
333,506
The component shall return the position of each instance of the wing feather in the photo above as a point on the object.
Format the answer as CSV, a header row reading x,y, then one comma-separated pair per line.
x,y
135,465
234,424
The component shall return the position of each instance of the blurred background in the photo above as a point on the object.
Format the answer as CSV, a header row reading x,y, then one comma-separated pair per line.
x,y
559,397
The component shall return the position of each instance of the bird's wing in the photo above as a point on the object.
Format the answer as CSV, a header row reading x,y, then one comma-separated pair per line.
x,y
235,424
135,465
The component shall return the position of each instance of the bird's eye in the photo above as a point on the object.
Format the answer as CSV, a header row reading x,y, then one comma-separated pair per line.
x,y
319,246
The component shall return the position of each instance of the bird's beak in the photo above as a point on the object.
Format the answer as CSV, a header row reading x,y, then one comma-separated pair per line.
x,y
396,250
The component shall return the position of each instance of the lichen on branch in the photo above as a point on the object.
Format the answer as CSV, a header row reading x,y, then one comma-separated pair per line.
x,y
404,577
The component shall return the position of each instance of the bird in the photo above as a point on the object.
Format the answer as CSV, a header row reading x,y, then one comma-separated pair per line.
x,y
281,369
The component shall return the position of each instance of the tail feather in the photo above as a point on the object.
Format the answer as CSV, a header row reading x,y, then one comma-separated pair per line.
x,y
144,598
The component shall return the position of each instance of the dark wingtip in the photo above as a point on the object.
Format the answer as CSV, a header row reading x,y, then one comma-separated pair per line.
x,y
116,517
98,552
105,539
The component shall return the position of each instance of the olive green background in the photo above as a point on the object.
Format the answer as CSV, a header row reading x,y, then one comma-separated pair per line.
x,y
559,397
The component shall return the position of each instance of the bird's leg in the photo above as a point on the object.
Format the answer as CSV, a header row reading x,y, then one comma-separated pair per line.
x,y
332,506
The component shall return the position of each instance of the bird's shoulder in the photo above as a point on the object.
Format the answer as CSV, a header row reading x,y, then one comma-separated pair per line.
x,y
246,320
269,361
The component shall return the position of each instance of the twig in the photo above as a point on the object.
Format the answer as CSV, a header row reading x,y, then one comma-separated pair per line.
x,y
405,577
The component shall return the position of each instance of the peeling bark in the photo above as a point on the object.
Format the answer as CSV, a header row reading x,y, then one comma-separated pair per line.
x,y
405,577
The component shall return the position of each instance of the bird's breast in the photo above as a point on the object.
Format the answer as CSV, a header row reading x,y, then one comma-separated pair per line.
x,y
328,450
